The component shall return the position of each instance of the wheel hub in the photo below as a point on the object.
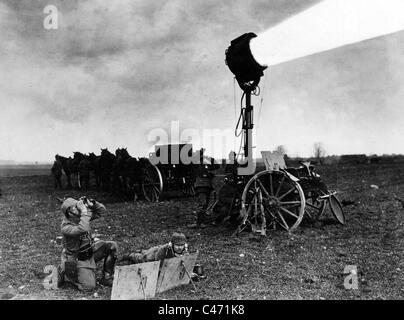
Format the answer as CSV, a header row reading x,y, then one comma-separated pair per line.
x,y
273,202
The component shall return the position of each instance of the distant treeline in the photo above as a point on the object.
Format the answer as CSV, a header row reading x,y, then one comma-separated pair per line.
x,y
349,159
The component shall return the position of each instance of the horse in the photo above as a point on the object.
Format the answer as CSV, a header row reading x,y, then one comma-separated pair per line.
x,y
105,164
128,173
57,171
67,164
95,167
82,166
134,176
77,158
120,170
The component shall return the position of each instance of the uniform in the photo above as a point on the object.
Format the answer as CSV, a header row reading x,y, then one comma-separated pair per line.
x,y
80,253
165,251
203,189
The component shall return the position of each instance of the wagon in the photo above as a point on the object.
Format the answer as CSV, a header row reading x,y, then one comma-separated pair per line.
x,y
168,173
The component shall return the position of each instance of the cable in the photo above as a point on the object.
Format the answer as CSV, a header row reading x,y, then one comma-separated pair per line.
x,y
238,122
241,100
256,92
240,117
234,98
242,133
262,100
235,109
241,146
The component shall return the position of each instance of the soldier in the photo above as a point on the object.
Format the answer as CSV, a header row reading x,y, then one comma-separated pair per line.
x,y
175,248
203,190
80,252
57,172
227,206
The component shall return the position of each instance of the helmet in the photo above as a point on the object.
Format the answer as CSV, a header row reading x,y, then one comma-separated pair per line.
x,y
178,239
69,202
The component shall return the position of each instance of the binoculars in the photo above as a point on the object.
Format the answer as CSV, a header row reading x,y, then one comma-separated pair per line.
x,y
86,201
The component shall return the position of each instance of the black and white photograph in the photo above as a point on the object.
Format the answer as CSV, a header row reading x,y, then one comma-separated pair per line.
x,y
198,151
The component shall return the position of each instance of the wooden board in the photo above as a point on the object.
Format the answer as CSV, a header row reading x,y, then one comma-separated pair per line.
x,y
172,272
128,281
273,160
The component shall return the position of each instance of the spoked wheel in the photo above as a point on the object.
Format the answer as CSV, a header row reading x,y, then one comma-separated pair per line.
x,y
315,207
272,198
152,185
336,209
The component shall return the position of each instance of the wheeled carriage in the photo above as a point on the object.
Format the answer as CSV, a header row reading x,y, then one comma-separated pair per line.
x,y
275,197
280,196
167,171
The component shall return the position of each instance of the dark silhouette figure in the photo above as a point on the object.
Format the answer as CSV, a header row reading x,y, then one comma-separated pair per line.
x,y
95,167
67,164
105,163
57,172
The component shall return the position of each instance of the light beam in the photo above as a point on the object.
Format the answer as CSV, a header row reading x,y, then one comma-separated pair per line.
x,y
325,26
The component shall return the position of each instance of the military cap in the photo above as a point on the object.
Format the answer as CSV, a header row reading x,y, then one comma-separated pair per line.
x,y
69,202
178,238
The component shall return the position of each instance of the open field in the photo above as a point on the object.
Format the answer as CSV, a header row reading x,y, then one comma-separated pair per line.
x,y
308,264
24,170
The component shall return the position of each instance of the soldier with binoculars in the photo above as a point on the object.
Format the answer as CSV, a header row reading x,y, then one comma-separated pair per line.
x,y
80,251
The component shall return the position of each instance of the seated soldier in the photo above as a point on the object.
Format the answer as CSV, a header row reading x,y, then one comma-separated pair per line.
x,y
80,252
175,248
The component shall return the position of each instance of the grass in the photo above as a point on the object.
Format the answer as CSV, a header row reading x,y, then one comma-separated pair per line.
x,y
308,264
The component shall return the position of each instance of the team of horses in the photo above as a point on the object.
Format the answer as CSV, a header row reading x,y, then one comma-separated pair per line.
x,y
119,172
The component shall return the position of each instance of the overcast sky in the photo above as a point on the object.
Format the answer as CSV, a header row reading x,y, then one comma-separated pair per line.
x,y
115,70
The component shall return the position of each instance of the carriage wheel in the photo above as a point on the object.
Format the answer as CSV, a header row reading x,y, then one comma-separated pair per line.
x,y
272,198
336,209
314,207
152,185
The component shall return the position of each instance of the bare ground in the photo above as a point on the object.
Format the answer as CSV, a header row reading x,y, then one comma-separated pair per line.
x,y
308,264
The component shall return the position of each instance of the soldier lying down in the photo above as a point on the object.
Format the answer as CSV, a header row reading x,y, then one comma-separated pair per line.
x,y
175,248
